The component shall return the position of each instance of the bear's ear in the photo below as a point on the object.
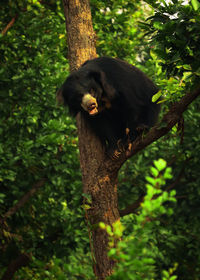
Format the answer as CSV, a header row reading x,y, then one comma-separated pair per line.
x,y
100,78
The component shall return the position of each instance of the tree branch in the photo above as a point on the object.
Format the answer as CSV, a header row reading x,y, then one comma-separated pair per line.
x,y
169,119
131,208
21,260
173,116
24,199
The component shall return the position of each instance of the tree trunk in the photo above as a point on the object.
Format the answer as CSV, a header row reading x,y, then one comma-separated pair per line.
x,y
99,174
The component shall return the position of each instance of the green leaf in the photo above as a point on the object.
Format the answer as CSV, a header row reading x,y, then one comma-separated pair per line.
x,y
160,164
154,171
174,277
186,75
158,25
86,206
102,225
88,197
156,96
195,4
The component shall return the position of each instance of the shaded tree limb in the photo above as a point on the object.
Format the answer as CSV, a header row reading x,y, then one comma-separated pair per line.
x,y
172,117
20,261
24,199
169,119
131,208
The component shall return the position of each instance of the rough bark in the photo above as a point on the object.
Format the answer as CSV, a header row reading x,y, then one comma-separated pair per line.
x,y
99,180
80,34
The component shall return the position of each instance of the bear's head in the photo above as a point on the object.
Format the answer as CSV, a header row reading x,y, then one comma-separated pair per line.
x,y
86,90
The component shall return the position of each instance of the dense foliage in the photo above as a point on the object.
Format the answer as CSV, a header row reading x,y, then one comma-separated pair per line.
x,y
174,29
40,180
38,143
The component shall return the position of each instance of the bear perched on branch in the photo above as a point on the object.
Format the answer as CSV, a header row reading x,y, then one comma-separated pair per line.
x,y
114,97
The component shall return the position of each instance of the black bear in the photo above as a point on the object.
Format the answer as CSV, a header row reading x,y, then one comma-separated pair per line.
x,y
115,98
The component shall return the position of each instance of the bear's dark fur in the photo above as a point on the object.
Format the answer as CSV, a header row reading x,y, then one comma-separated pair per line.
x,y
114,97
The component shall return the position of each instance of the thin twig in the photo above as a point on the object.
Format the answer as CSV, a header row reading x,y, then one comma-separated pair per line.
x,y
9,25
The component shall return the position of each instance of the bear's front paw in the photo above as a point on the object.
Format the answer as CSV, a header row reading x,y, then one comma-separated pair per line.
x,y
113,153
116,155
